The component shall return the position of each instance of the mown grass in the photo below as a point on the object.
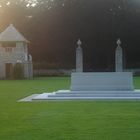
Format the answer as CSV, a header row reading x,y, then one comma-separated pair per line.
x,y
67,120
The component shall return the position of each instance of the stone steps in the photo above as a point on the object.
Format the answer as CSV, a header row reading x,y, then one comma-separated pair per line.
x,y
95,95
106,95
97,92
88,98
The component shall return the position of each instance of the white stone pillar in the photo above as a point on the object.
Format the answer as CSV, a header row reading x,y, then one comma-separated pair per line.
x,y
28,70
79,57
118,57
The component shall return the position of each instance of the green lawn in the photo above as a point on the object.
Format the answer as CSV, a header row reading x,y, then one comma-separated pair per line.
x,y
68,120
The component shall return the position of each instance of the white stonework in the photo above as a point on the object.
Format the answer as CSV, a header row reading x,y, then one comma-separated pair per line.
x,y
79,57
102,81
14,49
118,58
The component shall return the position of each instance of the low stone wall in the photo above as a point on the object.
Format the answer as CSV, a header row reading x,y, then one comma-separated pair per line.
x,y
52,72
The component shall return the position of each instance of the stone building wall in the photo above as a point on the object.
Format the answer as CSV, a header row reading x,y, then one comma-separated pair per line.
x,y
13,55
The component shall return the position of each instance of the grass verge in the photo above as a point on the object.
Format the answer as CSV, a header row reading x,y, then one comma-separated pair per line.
x,y
80,120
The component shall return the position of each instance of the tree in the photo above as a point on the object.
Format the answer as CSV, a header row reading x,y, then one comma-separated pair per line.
x,y
53,27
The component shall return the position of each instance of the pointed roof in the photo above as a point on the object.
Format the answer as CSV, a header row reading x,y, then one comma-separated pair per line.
x,y
12,34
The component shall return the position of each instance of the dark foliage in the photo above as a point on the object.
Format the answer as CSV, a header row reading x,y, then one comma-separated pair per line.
x,y
54,27
18,71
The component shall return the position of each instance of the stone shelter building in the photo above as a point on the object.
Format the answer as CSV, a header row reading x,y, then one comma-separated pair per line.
x,y
14,50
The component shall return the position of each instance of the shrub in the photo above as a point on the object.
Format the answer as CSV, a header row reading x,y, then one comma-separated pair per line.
x,y
18,72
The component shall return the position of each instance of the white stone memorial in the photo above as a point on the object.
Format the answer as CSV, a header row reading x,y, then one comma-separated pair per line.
x,y
79,57
95,85
102,81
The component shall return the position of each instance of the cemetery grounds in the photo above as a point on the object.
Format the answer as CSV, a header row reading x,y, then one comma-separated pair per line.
x,y
64,120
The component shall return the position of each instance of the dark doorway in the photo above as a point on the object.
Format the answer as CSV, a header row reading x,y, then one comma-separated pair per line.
x,y
9,69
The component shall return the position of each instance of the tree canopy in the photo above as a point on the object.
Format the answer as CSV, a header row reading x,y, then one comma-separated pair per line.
x,y
54,26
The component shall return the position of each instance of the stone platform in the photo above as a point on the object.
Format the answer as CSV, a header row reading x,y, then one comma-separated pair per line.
x,y
95,86
89,95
